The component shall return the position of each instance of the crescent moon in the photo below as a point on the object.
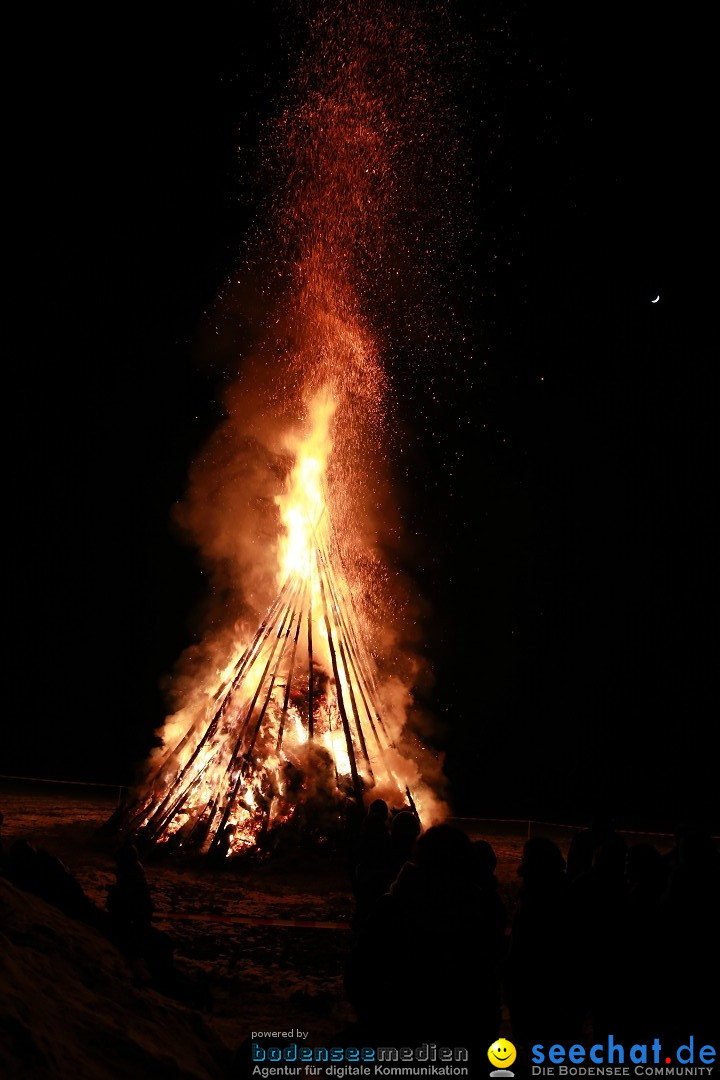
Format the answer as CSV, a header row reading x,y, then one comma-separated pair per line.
x,y
656,299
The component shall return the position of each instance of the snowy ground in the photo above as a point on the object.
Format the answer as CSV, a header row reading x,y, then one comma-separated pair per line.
x,y
248,942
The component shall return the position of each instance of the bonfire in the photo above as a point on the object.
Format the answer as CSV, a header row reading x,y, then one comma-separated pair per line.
x,y
295,721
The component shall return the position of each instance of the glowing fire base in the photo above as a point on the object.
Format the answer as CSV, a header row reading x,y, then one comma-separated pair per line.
x,y
296,722
282,727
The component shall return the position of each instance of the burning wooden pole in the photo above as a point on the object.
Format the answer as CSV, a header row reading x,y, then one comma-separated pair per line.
x,y
311,673
357,786
291,671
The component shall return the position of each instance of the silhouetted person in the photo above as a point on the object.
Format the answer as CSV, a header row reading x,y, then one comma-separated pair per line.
x,y
672,857
643,984
600,905
491,909
378,810
129,902
585,843
484,860
353,817
372,867
689,921
541,982
130,908
404,831
646,875
425,935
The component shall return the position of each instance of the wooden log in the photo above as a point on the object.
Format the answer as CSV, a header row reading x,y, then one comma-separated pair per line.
x,y
357,786
291,672
311,676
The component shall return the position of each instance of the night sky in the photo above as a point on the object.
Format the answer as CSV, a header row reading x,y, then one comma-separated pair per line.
x,y
559,479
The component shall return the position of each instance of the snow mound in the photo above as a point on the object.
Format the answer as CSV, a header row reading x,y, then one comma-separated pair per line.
x,y
69,1008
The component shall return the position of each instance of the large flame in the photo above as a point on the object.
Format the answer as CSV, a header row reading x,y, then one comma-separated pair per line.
x,y
302,505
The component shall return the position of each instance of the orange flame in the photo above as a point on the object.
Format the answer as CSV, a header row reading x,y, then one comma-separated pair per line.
x,y
302,506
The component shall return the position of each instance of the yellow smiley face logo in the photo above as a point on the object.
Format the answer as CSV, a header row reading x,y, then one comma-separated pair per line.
x,y
502,1053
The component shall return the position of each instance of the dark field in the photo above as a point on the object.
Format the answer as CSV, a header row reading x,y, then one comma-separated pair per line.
x,y
264,946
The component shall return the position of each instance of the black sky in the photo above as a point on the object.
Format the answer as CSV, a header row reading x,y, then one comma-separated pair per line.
x,y
559,496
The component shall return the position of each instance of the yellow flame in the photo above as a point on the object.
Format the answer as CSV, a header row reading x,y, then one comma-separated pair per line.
x,y
335,743
303,504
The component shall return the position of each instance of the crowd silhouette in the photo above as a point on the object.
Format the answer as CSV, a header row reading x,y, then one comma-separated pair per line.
x,y
616,939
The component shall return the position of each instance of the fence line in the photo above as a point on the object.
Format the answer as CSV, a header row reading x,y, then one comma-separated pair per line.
x,y
70,783
525,822
120,788
531,822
